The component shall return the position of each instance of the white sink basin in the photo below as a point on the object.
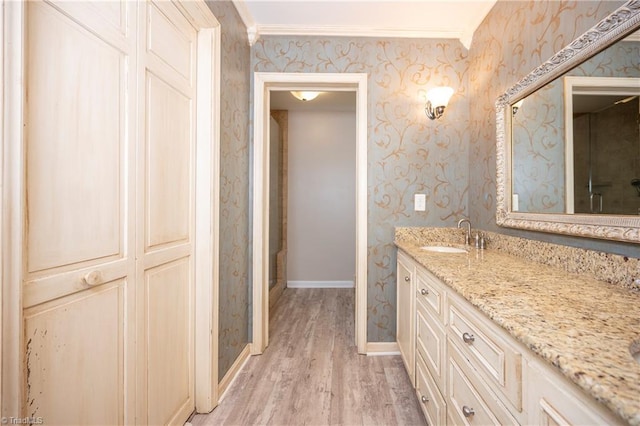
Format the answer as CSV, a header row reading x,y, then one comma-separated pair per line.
x,y
443,249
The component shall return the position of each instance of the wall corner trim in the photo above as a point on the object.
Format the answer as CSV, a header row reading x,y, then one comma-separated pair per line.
x,y
232,374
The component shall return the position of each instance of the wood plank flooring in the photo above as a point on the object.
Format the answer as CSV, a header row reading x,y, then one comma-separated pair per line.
x,y
311,373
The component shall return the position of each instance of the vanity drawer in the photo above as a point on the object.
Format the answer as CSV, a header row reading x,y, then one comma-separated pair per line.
x,y
469,401
431,343
430,292
429,397
479,341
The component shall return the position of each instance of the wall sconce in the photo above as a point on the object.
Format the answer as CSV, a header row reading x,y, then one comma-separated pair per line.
x,y
305,96
515,107
437,100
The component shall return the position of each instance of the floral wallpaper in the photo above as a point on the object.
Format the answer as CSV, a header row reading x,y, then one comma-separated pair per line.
x,y
234,186
408,153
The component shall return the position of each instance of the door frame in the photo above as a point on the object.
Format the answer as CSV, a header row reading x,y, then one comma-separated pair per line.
x,y
207,202
12,205
12,75
264,82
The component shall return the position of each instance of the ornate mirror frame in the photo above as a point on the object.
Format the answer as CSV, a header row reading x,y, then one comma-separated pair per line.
x,y
620,23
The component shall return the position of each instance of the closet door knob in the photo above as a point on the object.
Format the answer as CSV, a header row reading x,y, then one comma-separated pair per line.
x,y
424,292
92,278
407,278
424,399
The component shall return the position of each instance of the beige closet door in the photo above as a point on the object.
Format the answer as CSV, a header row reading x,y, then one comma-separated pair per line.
x,y
165,284
78,296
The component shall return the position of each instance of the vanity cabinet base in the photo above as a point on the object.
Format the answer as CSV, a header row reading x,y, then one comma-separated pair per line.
x,y
467,370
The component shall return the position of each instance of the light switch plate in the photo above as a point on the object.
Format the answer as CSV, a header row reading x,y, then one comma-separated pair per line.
x,y
420,202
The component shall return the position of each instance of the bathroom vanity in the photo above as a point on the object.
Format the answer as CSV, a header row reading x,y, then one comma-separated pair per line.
x,y
492,337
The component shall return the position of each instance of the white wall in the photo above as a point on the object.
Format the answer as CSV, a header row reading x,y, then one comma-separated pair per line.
x,y
321,212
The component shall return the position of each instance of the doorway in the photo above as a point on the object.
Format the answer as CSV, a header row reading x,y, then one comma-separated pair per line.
x,y
312,191
264,84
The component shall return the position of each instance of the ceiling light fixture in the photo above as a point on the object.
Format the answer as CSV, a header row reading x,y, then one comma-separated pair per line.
x,y
306,96
437,101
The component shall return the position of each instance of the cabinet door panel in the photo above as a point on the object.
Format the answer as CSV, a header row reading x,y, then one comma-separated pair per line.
x,y
75,140
432,402
168,317
75,358
430,293
405,319
553,401
467,393
431,343
498,360
168,42
168,163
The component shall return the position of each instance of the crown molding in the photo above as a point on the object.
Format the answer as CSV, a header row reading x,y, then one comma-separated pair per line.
x,y
254,30
354,31
247,19
472,26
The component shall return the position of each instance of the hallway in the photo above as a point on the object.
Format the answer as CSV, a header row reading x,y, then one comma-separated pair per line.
x,y
322,380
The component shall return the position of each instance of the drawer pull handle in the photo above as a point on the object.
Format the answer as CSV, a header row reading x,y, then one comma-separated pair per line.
x,y
407,278
468,338
424,399
468,411
424,292
92,278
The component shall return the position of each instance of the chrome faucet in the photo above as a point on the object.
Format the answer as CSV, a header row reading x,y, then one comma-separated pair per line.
x,y
467,237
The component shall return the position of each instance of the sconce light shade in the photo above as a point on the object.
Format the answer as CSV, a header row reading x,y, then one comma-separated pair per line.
x,y
437,101
306,96
515,107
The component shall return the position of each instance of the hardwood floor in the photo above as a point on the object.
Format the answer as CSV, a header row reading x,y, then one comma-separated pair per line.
x,y
311,373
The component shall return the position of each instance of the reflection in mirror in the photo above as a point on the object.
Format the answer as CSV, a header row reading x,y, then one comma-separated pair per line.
x,y
605,140
546,184
538,152
544,158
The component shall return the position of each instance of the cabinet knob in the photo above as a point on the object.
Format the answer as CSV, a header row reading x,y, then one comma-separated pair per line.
x,y
92,278
468,338
424,292
407,278
468,411
424,399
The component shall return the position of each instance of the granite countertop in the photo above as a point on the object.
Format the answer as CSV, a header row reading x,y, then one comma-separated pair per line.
x,y
575,322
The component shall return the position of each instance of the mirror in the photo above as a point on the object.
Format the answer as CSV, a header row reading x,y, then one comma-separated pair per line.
x,y
568,141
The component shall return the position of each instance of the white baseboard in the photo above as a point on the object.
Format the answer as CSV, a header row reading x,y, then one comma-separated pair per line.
x,y
320,284
231,375
382,348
